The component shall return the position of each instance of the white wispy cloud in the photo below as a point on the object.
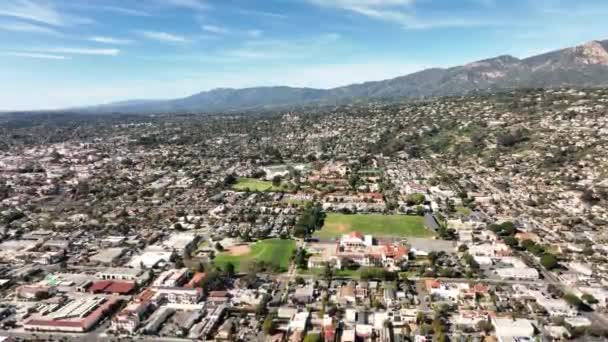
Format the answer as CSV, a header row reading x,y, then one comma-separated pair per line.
x,y
262,14
124,10
39,11
36,55
81,51
283,49
110,40
401,12
214,29
163,36
354,4
192,4
29,28
30,10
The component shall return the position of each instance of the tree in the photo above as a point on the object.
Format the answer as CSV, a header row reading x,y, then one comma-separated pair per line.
x,y
310,219
354,180
214,281
549,261
41,295
470,260
511,241
230,179
313,338
573,300
433,257
485,326
415,199
588,196
300,258
269,326
328,272
368,273
230,269
440,337
527,244
420,318
276,180
179,262
261,308
589,299
259,174
510,139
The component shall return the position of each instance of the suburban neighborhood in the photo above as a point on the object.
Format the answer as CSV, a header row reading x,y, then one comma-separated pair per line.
x,y
469,218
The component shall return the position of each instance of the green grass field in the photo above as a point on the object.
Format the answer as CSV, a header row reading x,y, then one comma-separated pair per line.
x,y
377,225
274,251
254,185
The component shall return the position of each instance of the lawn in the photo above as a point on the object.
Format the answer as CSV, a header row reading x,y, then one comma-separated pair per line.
x,y
378,225
297,202
274,251
255,185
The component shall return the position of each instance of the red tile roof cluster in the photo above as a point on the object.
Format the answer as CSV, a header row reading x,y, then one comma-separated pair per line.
x,y
145,295
356,235
112,287
216,294
196,280
395,252
432,284
480,288
374,195
329,333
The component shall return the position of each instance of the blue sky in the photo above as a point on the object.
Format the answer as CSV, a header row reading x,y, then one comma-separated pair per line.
x,y
63,53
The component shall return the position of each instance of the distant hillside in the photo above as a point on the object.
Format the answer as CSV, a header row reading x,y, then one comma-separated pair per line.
x,y
581,66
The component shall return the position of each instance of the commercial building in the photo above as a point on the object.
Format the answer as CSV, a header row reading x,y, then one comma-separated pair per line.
x,y
512,330
77,316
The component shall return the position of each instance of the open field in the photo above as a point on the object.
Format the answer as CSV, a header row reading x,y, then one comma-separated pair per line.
x,y
254,185
396,226
239,250
274,251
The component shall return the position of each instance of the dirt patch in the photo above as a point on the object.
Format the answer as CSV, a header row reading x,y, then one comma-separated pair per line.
x,y
239,250
342,228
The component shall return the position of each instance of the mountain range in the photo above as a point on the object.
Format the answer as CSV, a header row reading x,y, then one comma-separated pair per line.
x,y
581,66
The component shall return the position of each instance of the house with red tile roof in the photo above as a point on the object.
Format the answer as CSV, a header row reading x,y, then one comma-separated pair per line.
x,y
196,281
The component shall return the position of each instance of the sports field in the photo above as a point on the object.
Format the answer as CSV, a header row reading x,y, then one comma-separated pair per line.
x,y
395,226
274,251
254,185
